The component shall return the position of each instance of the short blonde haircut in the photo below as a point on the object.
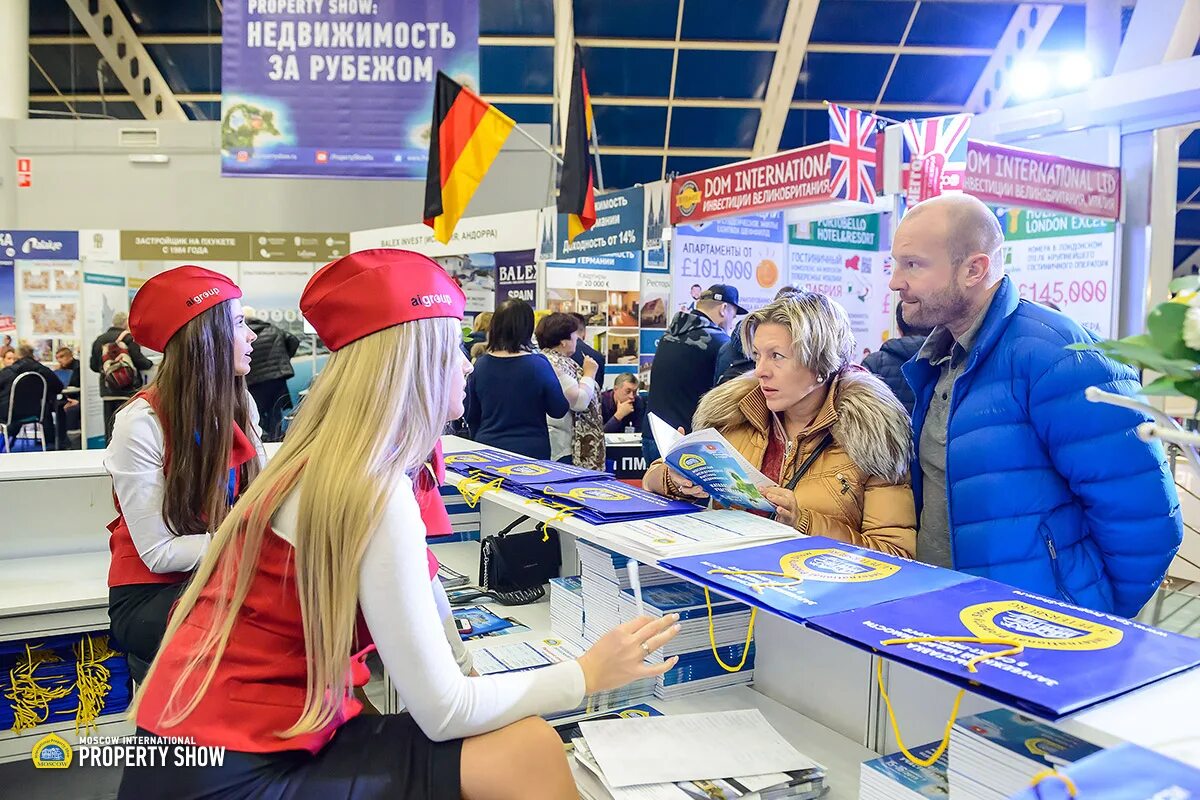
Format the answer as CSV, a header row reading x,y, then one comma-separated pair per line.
x,y
821,336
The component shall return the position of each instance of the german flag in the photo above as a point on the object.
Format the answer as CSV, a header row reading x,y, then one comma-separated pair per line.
x,y
467,136
577,190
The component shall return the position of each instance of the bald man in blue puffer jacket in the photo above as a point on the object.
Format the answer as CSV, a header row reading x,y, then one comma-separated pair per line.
x,y
1017,477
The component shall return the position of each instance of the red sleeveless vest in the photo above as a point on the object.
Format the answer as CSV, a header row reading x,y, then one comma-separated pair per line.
x,y
126,567
259,686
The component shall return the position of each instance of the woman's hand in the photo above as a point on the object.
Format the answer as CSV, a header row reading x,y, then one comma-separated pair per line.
x,y
786,510
656,482
619,658
590,367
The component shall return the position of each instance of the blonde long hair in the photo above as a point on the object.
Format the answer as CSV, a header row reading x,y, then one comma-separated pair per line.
x,y
375,414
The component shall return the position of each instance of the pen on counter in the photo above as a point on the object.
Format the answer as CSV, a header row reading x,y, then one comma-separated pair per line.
x,y
635,583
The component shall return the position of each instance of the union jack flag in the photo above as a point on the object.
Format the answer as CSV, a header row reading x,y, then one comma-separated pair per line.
x,y
938,145
852,157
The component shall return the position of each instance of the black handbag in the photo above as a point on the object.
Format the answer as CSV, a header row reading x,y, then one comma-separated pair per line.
x,y
515,567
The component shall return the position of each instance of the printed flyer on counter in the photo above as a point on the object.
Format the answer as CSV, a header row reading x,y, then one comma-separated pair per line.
x,y
1073,658
805,578
708,459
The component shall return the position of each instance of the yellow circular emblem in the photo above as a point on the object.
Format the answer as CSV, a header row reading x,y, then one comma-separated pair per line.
x,y
525,470
1040,628
831,565
691,461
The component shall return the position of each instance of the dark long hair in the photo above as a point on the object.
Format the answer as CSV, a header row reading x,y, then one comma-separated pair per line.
x,y
197,392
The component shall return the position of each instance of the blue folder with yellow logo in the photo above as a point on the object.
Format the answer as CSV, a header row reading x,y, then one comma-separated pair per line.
x,y
804,578
1072,658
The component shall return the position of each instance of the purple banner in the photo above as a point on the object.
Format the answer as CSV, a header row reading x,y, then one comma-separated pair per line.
x,y
39,246
338,88
1072,658
516,276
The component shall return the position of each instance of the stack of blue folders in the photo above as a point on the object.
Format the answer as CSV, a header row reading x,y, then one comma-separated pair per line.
x,y
698,669
594,497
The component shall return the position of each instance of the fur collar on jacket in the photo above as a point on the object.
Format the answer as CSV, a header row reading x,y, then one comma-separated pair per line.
x,y
869,422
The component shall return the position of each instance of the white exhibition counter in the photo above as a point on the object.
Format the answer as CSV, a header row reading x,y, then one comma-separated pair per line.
x,y
817,691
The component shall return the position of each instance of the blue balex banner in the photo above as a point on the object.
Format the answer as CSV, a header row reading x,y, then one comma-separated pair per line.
x,y
620,226
339,88
39,245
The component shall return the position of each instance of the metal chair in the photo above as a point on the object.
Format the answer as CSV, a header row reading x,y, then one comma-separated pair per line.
x,y
26,406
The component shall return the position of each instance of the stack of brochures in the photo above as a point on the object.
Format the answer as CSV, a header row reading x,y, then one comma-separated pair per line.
x,y
604,574
994,755
693,534
566,608
451,579
523,656
698,669
691,757
594,497
485,623
894,777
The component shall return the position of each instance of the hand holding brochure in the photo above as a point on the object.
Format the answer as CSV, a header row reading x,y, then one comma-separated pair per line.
x,y
706,458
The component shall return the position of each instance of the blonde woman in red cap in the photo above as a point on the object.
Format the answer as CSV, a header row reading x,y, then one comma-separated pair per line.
x,y
327,546
181,450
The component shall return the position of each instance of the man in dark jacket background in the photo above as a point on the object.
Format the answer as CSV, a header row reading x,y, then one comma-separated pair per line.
x,y
27,363
270,369
114,399
886,362
685,362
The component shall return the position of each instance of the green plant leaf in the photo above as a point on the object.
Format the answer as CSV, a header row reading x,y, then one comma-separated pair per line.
x,y
1188,283
1140,351
1162,387
1191,388
1165,325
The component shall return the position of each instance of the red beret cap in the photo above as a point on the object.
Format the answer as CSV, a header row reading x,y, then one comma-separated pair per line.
x,y
172,299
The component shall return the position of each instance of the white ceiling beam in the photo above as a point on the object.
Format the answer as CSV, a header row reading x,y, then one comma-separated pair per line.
x,y
564,63
1029,25
1189,265
118,97
1159,31
785,71
116,40
1188,242
1188,206
671,88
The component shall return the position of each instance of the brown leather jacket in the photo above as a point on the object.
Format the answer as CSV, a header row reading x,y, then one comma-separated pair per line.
x,y
858,489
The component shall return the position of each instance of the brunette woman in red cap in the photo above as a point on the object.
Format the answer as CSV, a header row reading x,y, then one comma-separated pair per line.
x,y
328,544
181,450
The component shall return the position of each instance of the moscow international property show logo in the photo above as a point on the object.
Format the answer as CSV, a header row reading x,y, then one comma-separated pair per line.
x,y
54,752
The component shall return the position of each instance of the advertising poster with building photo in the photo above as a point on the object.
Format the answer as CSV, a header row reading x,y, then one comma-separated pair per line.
x,y
655,311
47,318
841,259
647,346
1064,261
476,273
743,252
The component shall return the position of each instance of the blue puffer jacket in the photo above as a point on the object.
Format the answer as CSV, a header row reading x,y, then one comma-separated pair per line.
x,y
1049,492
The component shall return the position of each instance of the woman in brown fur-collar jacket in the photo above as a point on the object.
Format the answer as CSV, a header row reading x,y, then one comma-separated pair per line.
x,y
804,397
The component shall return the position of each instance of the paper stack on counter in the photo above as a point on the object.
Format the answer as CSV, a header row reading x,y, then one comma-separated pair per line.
x,y
695,534
706,458
696,756
697,669
566,608
523,656
894,777
604,574
995,754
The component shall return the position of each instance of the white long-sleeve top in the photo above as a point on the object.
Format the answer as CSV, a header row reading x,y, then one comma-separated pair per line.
x,y
413,629
579,394
135,459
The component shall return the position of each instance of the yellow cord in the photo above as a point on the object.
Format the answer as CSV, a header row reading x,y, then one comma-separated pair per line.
x,y
712,636
474,488
941,748
1072,789
793,580
92,679
1013,647
30,699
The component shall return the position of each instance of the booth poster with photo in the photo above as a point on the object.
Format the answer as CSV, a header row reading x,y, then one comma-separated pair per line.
x,y
744,252
841,258
47,282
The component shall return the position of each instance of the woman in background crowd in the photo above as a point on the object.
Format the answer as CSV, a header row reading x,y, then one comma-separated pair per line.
x,y
832,435
577,437
183,449
513,390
